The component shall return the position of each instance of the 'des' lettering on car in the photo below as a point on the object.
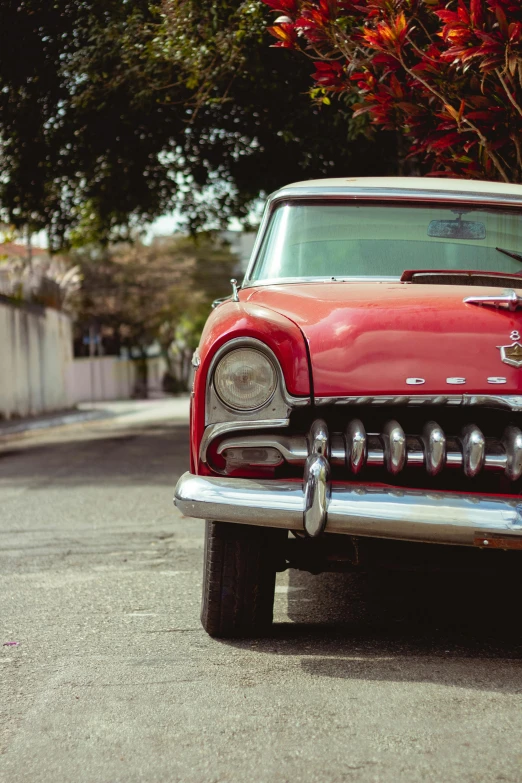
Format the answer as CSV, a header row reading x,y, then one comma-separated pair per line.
x,y
492,379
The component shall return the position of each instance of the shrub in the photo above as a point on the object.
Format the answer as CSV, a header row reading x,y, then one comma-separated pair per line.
x,y
447,75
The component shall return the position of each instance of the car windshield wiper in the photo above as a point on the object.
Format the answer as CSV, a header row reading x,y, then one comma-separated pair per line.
x,y
510,253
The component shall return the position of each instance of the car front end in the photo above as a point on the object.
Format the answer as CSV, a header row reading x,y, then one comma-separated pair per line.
x,y
365,381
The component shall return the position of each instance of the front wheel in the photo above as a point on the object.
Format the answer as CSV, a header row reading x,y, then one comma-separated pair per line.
x,y
239,578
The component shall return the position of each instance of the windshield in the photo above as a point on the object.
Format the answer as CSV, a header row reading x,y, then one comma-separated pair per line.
x,y
343,240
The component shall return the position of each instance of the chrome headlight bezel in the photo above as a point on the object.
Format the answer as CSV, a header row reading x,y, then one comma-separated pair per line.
x,y
223,373
220,419
277,407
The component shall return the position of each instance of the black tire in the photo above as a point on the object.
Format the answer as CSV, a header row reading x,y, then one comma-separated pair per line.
x,y
239,578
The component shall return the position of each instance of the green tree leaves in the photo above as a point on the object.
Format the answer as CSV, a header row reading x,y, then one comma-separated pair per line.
x,y
112,113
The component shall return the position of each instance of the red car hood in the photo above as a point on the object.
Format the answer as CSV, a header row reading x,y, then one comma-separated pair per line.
x,y
368,338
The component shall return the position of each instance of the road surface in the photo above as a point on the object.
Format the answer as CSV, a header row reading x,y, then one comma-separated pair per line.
x,y
107,677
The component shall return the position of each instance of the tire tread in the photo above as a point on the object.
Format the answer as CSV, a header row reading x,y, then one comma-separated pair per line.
x,y
239,579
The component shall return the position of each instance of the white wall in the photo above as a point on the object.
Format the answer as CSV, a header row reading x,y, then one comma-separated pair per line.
x,y
100,378
39,375
35,356
109,378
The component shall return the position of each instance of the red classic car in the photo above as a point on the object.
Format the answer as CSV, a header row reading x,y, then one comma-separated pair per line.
x,y
360,390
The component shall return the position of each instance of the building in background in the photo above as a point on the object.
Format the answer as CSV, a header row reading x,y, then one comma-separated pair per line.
x,y
241,244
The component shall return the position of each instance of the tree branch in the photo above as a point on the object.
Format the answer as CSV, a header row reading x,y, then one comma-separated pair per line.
x,y
493,157
508,92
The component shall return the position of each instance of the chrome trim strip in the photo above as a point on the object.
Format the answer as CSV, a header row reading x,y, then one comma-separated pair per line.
x,y
294,448
415,458
375,457
267,211
342,193
510,401
453,459
215,430
337,449
497,462
324,279
408,515
396,399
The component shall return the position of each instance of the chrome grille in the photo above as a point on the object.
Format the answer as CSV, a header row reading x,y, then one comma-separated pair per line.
x,y
392,448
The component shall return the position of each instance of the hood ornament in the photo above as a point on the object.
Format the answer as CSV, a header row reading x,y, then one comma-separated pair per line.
x,y
235,290
508,298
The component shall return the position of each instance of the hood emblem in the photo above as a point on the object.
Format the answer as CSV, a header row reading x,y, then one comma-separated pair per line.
x,y
511,354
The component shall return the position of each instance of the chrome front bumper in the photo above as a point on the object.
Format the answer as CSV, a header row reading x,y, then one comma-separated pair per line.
x,y
408,515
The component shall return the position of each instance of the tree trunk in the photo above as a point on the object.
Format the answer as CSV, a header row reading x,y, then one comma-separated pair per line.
x,y
141,387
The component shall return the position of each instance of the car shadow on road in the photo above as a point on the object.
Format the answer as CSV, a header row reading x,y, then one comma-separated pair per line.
x,y
459,630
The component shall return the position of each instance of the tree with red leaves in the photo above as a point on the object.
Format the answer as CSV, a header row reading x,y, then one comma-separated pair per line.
x,y
447,75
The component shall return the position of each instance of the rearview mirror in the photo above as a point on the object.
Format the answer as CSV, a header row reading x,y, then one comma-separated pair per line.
x,y
456,229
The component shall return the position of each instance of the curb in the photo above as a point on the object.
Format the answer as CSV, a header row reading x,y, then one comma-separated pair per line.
x,y
55,421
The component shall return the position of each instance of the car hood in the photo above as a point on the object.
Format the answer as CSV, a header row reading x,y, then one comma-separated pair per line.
x,y
369,338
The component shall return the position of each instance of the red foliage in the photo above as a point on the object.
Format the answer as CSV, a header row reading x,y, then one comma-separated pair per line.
x,y
283,6
286,35
446,73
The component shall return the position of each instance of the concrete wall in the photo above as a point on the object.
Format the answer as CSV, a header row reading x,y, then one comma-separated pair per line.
x,y
39,375
101,378
35,357
109,378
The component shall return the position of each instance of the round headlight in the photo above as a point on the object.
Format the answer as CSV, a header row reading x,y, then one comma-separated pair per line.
x,y
245,379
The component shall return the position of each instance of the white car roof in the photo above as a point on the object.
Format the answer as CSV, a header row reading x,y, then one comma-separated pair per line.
x,y
409,183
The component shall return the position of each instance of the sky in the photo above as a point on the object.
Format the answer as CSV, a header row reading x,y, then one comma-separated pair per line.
x,y
162,226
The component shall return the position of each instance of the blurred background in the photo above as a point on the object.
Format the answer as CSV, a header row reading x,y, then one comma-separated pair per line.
x,y
105,323
138,142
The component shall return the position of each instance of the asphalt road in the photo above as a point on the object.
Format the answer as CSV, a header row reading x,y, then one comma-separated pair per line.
x,y
394,678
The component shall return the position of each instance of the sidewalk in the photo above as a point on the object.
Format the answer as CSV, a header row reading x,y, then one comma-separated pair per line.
x,y
175,408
